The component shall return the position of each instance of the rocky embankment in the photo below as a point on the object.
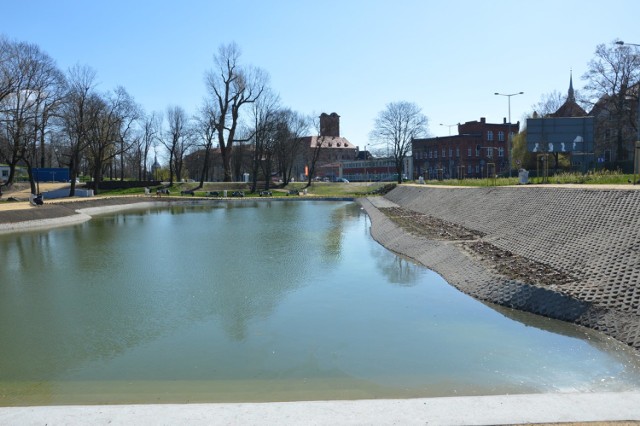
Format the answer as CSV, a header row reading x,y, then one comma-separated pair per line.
x,y
569,254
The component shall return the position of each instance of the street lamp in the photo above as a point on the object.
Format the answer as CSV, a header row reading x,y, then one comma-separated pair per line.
x,y
509,95
637,147
449,126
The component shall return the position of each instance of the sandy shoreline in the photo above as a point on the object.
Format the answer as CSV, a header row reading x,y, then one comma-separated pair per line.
x,y
21,216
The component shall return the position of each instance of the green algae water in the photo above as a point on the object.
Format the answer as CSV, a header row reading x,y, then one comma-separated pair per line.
x,y
264,301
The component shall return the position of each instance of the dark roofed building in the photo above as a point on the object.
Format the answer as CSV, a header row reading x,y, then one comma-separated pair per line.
x,y
570,107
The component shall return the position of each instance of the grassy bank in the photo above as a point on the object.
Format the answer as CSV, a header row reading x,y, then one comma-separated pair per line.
x,y
321,189
603,177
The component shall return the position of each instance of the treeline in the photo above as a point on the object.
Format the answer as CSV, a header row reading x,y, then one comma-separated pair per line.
x,y
55,118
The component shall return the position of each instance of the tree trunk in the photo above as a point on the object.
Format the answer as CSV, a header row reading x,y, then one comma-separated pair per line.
x,y
205,167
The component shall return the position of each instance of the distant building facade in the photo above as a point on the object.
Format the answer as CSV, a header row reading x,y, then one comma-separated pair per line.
x,y
480,149
331,149
4,173
568,131
613,123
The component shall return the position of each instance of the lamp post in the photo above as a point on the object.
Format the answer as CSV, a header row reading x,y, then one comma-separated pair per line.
x,y
509,95
637,145
449,126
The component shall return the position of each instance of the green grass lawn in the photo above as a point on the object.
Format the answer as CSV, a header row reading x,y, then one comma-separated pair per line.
x,y
322,189
360,189
595,178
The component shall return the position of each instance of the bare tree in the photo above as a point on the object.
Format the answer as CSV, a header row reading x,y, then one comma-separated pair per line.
x,y
266,116
8,76
110,122
612,86
549,103
145,140
290,141
176,140
101,136
231,86
32,85
316,146
128,113
206,130
396,126
75,118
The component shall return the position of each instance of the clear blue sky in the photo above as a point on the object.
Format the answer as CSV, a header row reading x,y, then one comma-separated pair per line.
x,y
350,57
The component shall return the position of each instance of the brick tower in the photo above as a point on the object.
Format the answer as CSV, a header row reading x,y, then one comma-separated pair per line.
x,y
330,124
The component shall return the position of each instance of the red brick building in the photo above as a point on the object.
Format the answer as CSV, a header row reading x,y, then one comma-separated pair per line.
x,y
480,149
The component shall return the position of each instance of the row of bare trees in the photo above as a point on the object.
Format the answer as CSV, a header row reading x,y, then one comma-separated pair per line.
x,y
52,118
48,117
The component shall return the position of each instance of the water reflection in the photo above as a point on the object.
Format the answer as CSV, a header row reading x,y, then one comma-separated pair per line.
x,y
263,291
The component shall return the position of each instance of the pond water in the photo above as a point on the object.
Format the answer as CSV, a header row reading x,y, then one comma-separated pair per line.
x,y
264,301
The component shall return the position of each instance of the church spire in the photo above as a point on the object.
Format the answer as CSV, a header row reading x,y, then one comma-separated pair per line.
x,y
571,97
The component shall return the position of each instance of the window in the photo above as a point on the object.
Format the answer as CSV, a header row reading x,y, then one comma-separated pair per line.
x,y
450,152
444,153
490,135
469,169
469,154
490,152
501,136
500,152
477,168
478,151
457,152
430,154
435,153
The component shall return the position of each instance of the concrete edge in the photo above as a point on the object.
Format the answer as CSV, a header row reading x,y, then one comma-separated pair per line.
x,y
7,228
480,410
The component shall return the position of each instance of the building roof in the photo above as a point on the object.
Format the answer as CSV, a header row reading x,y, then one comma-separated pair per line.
x,y
335,142
570,107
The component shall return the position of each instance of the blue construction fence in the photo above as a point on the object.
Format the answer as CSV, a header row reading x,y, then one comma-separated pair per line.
x,y
57,174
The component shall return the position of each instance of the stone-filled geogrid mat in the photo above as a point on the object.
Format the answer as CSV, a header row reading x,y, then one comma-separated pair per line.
x,y
568,254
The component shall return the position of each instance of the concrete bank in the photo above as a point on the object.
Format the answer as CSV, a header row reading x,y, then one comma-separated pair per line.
x,y
482,410
590,235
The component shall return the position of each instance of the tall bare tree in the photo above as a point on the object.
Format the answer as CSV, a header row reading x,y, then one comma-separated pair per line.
x,y
149,128
101,136
315,148
110,123
231,86
76,119
205,129
395,127
612,86
176,140
128,113
265,116
290,141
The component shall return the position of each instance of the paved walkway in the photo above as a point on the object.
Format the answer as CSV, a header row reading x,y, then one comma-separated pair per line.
x,y
482,410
